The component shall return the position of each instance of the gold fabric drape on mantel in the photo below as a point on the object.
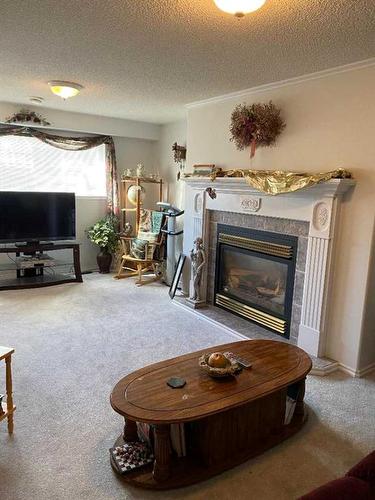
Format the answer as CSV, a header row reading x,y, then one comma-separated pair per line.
x,y
79,143
278,181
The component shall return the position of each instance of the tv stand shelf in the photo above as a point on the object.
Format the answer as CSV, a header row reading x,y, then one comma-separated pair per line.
x,y
58,273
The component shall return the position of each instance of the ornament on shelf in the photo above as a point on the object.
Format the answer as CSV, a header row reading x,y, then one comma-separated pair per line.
x,y
133,193
27,117
128,172
255,126
140,170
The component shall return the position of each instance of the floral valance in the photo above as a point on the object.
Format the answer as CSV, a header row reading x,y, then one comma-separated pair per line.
x,y
77,144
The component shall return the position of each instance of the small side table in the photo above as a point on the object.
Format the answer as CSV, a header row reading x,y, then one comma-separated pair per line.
x,y
8,407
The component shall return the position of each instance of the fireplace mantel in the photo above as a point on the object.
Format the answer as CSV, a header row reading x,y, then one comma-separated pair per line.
x,y
319,205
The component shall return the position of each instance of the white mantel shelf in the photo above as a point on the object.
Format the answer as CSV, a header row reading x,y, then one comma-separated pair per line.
x,y
319,205
332,187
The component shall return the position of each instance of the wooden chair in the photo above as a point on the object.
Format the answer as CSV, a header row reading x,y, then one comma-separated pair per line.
x,y
149,260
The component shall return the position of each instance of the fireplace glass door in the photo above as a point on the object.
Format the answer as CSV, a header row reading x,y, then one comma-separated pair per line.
x,y
255,276
255,279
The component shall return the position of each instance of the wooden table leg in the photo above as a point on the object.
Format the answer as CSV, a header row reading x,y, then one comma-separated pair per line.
x,y
300,406
162,451
9,390
130,431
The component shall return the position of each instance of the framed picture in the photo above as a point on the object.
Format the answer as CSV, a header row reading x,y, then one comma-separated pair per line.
x,y
177,275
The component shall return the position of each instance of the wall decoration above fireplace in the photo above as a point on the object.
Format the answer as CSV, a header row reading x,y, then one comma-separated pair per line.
x,y
254,275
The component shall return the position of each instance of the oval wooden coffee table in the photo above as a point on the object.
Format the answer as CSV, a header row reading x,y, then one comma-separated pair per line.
x,y
227,421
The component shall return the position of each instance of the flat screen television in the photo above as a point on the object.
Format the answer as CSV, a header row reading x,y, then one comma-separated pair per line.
x,y
27,216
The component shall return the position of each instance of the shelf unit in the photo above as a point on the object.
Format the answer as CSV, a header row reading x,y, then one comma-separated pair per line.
x,y
125,205
48,275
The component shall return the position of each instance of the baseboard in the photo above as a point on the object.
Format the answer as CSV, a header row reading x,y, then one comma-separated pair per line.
x,y
323,372
357,373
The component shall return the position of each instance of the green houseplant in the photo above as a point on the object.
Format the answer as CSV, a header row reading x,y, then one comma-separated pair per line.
x,y
104,233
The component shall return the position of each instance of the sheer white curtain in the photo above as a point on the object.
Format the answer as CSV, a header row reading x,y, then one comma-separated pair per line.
x,y
28,164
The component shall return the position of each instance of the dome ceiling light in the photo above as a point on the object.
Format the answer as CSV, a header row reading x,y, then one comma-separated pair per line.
x,y
65,89
36,99
239,8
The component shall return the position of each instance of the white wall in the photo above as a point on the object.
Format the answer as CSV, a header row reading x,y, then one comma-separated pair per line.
x,y
330,123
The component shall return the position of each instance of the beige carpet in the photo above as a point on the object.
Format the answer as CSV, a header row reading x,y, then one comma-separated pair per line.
x,y
74,342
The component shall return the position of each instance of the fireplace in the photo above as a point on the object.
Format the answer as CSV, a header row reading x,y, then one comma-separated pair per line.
x,y
254,275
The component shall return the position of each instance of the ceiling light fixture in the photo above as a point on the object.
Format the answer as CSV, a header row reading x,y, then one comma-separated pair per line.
x,y
36,99
65,89
239,8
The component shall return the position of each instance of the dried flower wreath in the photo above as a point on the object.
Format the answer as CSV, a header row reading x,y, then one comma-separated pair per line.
x,y
255,125
26,116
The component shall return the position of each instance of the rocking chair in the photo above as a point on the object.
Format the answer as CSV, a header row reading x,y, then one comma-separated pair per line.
x,y
144,254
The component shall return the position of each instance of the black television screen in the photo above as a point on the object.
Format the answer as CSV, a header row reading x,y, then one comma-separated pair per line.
x,y
26,216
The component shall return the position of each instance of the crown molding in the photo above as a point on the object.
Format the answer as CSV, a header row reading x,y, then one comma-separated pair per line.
x,y
285,83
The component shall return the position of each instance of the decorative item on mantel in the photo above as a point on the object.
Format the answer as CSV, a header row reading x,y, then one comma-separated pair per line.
x,y
255,126
276,182
203,170
211,193
198,261
25,116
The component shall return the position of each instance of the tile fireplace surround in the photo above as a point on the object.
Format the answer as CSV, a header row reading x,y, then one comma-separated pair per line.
x,y
311,214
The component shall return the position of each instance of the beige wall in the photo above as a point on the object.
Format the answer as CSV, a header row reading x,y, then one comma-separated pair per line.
x,y
169,134
330,123
81,122
173,189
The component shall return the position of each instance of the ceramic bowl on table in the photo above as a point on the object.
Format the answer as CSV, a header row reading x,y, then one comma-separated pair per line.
x,y
231,367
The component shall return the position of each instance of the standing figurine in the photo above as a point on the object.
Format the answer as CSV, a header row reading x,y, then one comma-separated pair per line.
x,y
140,170
198,260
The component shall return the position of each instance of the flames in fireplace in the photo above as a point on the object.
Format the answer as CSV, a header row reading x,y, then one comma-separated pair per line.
x,y
255,275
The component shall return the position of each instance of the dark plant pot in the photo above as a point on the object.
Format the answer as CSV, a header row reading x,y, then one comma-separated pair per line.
x,y
104,260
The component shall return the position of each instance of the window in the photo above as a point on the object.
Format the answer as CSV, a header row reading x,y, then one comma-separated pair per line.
x,y
28,164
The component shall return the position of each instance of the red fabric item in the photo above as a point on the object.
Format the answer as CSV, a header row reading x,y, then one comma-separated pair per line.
x,y
357,484
345,488
365,469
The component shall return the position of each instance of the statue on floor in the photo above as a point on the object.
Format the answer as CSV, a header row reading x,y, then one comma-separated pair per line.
x,y
198,260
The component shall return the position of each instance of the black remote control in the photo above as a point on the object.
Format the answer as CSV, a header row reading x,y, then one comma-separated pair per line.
x,y
241,361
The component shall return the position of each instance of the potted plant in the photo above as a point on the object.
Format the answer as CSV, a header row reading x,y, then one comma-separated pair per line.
x,y
104,233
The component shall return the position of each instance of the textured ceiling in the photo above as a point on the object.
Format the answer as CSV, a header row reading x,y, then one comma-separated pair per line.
x,y
145,59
